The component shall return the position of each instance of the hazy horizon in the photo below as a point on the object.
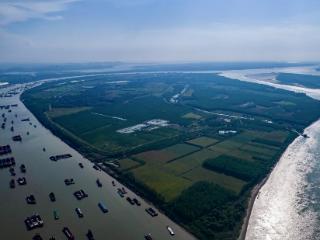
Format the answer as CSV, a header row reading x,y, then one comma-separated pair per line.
x,y
143,31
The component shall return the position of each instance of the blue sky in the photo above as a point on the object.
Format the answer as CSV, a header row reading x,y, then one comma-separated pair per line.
x,y
159,30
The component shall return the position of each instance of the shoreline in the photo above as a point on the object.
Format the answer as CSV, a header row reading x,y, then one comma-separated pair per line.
x,y
256,190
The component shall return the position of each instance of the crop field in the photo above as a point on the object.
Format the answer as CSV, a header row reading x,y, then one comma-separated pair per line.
x,y
189,157
203,141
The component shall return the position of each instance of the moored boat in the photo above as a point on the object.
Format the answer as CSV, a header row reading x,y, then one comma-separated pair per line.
x,y
52,197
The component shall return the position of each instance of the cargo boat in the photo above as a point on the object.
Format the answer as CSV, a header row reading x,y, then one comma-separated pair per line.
x,y
148,237
152,212
17,138
130,200
7,162
137,202
103,207
68,233
33,222
6,149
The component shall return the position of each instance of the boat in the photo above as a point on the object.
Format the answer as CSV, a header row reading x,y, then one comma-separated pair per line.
x,y
12,171
103,207
171,232
80,194
31,199
148,236
90,235
96,167
52,197
120,193
79,212
23,168
123,190
60,157
22,181
12,183
17,138
130,200
152,212
37,237
33,222
137,202
113,183
44,149
99,183
68,233
80,165
69,181
55,215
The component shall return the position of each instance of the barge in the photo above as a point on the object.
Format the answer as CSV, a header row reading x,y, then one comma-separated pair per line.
x,y
7,162
6,149
60,157
33,222
17,138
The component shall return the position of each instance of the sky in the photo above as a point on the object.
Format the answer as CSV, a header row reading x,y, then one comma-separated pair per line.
x,y
46,31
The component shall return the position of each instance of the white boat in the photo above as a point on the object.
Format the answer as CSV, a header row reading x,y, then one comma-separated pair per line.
x,y
170,231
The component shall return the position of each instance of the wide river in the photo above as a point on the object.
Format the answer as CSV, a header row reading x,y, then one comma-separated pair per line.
x,y
123,221
288,205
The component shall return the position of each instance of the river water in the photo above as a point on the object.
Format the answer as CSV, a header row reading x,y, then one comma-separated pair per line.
x,y
123,221
288,205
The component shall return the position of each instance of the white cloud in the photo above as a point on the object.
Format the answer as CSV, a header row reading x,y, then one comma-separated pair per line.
x,y
22,10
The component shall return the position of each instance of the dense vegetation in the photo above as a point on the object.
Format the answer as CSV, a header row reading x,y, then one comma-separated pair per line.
x,y
235,167
200,177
